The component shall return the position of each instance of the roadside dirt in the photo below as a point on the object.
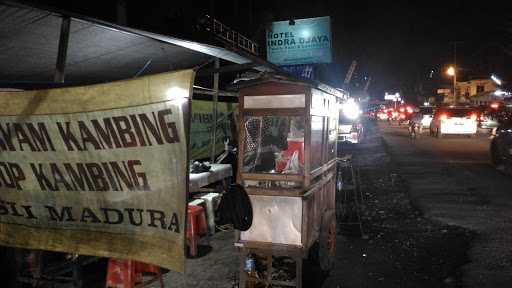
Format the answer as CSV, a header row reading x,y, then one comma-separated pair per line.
x,y
399,247
452,181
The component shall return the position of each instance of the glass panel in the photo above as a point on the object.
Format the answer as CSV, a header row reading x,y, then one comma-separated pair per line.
x,y
272,184
274,144
331,139
317,126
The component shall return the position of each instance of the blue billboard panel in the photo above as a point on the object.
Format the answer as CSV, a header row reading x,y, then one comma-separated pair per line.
x,y
302,41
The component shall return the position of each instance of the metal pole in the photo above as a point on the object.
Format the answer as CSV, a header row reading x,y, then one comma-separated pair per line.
x,y
455,72
455,85
121,12
215,110
63,50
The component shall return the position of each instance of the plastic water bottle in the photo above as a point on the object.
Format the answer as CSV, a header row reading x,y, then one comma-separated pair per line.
x,y
250,269
249,263
339,182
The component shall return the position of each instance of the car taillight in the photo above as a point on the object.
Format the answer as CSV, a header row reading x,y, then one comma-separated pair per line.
x,y
473,117
443,117
402,116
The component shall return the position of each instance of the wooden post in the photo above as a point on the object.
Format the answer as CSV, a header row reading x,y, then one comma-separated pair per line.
x,y
242,273
241,139
215,110
269,269
307,140
121,12
298,273
63,50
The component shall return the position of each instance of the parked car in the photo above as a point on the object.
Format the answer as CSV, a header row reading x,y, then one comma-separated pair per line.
x,y
454,120
382,114
501,146
488,121
489,116
501,143
350,128
350,132
427,113
404,114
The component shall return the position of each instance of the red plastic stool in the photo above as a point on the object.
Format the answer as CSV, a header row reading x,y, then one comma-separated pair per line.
x,y
128,273
142,268
196,227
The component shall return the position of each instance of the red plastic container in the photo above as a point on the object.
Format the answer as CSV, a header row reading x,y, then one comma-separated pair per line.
x,y
295,145
281,164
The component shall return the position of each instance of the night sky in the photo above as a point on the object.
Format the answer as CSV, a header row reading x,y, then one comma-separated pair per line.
x,y
397,43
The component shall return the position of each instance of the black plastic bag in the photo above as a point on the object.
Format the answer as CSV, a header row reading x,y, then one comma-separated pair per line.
x,y
235,208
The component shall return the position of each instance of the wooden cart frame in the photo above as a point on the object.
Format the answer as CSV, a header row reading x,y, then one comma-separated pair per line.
x,y
308,207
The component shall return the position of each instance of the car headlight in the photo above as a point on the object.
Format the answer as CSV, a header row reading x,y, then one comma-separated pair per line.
x,y
351,109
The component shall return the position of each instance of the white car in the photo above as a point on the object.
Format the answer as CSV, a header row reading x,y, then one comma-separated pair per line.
x,y
350,132
427,113
454,120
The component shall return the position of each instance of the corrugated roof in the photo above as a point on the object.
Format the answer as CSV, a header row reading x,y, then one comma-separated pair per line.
x,y
98,51
272,77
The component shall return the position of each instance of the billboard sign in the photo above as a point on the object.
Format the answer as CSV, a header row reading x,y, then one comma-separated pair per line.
x,y
97,170
302,41
392,97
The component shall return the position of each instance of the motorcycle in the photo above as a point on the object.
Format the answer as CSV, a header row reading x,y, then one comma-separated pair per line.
x,y
415,129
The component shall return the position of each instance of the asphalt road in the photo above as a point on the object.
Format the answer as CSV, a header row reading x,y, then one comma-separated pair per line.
x,y
451,180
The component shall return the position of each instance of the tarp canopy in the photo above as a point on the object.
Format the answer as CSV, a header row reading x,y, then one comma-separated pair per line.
x,y
98,51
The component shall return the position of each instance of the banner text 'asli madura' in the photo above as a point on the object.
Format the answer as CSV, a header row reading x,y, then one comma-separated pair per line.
x,y
111,216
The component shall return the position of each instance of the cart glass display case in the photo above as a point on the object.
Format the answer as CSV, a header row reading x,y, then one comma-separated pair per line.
x,y
274,144
288,136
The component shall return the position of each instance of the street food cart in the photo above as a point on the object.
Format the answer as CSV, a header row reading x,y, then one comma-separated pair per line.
x,y
287,165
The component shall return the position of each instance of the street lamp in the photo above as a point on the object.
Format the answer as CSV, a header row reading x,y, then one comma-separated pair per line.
x,y
452,72
496,79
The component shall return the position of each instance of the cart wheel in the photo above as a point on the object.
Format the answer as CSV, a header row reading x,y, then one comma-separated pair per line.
x,y
10,266
327,241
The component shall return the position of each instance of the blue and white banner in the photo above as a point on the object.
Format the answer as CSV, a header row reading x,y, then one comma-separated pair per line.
x,y
302,41
306,71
